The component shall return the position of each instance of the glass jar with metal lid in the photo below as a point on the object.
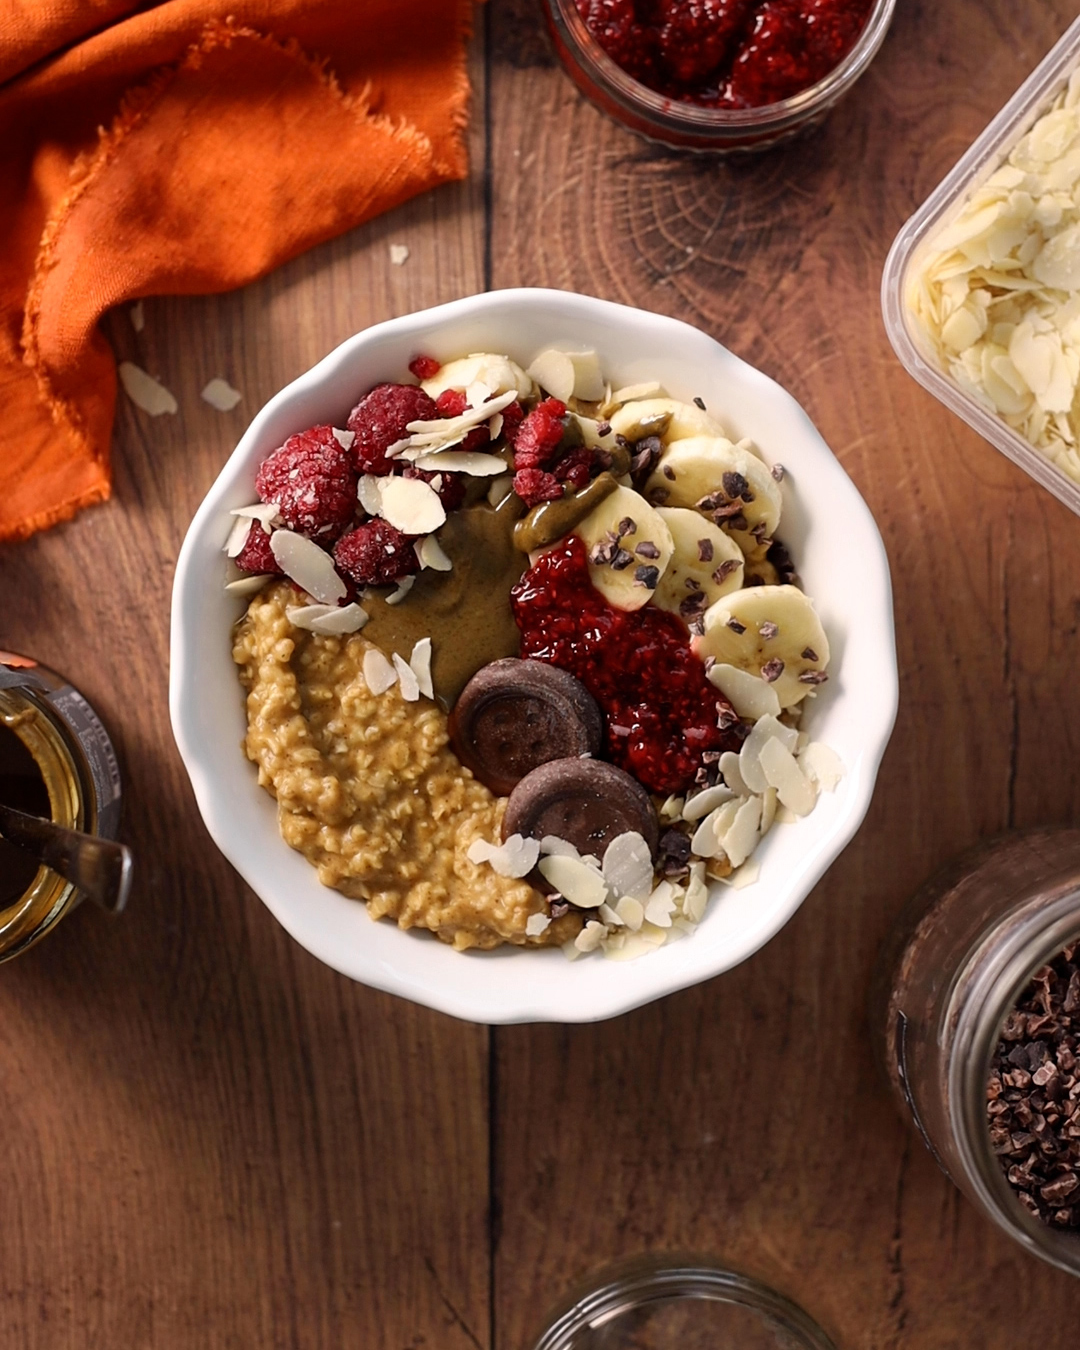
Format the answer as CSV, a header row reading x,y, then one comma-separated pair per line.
x,y
56,760
961,956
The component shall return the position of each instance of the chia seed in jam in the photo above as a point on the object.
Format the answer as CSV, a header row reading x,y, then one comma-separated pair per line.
x,y
660,711
726,53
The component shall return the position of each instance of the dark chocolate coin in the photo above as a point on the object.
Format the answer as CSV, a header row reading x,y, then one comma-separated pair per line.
x,y
515,715
586,802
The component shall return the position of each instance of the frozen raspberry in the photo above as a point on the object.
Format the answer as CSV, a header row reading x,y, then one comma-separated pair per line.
x,y
513,416
539,436
375,554
381,419
449,486
451,403
425,367
697,36
534,486
312,482
574,467
256,556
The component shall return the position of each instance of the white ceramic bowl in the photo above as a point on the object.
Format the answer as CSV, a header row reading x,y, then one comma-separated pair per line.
x,y
826,525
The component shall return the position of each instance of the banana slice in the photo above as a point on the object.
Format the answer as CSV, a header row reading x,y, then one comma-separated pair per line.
x,y
706,564
664,417
730,478
498,373
771,631
629,548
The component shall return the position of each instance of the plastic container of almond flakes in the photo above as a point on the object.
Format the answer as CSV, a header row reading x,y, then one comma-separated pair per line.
x,y
915,247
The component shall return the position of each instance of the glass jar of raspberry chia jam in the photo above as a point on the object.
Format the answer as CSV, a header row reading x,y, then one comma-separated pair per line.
x,y
717,75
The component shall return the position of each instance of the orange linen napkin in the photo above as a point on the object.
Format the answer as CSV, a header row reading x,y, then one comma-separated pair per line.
x,y
183,147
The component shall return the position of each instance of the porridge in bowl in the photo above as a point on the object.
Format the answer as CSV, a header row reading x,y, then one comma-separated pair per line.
x,y
525,660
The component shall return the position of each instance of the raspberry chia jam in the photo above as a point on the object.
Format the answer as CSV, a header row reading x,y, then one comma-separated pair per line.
x,y
717,74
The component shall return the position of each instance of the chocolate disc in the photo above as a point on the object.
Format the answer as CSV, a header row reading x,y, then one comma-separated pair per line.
x,y
515,715
586,802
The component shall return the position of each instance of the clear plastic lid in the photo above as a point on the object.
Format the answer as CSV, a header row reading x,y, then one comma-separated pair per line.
x,y
1029,102
687,1302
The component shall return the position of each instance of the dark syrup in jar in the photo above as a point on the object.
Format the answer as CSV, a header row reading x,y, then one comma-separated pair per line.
x,y
21,787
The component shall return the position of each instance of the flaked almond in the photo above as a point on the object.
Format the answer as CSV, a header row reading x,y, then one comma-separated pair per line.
x,y
554,371
782,772
765,729
401,590
144,391
706,841
238,536
268,514
660,905
590,936
697,893
699,806
579,883
515,857
607,915
671,810
749,695
410,685
769,801
500,489
429,553
477,393
379,674
411,505
628,868
631,912
307,565
440,428
344,438
221,395
137,314
248,585
536,924
556,847
472,462
330,620
369,493
495,426
420,664
740,838
822,764
399,255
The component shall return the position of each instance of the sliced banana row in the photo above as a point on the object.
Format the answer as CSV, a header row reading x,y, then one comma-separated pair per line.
x,y
725,481
704,566
629,546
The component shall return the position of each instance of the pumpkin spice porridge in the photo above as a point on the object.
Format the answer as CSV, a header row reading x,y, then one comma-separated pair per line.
x,y
525,661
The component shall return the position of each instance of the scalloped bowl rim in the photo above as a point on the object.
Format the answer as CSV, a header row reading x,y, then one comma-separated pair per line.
x,y
835,543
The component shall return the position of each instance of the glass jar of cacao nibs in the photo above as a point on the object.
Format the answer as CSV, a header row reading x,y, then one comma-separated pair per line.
x,y
978,1000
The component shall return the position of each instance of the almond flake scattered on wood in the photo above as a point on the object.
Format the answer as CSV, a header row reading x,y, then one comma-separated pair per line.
x,y
307,565
221,395
410,685
420,664
138,316
399,254
515,857
379,674
144,391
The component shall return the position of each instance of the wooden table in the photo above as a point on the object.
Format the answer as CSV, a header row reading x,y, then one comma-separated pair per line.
x,y
211,1140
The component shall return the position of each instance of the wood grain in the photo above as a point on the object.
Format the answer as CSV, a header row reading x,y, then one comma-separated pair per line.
x,y
745,1118
213,1141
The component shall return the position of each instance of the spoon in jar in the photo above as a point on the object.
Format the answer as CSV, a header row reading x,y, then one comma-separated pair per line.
x,y
100,868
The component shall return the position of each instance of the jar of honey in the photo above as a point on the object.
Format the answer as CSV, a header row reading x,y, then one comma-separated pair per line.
x,y
56,760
